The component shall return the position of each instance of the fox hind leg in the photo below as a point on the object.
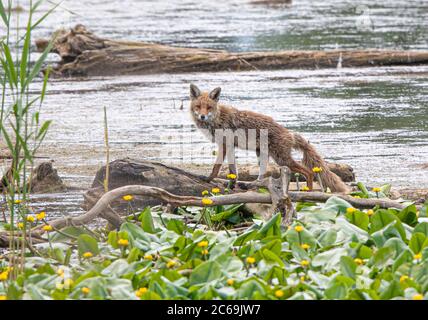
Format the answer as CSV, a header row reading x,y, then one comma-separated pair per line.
x,y
296,167
284,159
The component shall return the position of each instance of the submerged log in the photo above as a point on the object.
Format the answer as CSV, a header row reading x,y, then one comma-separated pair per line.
x,y
85,54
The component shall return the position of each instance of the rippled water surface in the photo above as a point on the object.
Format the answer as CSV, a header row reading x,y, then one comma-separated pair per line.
x,y
241,25
375,119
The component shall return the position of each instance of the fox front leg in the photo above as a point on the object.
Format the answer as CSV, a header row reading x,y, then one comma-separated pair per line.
x,y
231,160
218,163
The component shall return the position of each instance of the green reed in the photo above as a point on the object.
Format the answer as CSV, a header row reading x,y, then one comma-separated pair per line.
x,y
21,128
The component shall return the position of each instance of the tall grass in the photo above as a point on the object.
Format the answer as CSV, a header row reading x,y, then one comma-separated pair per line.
x,y
20,125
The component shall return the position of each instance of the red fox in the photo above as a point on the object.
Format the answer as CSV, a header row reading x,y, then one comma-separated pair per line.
x,y
210,116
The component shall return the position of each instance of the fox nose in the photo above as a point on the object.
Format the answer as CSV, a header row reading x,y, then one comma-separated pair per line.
x,y
203,117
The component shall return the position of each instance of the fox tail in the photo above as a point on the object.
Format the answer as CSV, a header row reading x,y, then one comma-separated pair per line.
x,y
311,159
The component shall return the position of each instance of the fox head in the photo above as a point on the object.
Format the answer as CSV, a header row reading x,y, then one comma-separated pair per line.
x,y
203,105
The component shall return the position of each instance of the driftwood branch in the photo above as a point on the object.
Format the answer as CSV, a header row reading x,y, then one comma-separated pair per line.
x,y
84,53
103,203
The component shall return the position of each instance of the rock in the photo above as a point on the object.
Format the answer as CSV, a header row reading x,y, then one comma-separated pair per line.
x,y
150,173
45,179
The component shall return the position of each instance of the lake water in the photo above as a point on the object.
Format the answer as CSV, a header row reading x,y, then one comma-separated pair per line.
x,y
375,119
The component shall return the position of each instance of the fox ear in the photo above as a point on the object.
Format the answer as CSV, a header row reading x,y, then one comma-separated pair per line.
x,y
215,94
194,91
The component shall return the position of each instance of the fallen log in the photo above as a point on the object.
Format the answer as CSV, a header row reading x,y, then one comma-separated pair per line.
x,y
85,54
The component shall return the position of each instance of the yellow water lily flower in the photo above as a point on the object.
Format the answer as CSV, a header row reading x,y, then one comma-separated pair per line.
x,y
206,201
2,298
279,293
203,244
251,260
316,169
215,190
123,242
417,256
418,297
171,263
304,263
17,201
41,215
403,278
205,192
302,278
376,189
204,252
231,176
359,261
30,218
86,290
148,257
305,188
298,228
230,282
141,291
370,212
305,246
87,255
47,228
20,225
128,197
4,276
350,210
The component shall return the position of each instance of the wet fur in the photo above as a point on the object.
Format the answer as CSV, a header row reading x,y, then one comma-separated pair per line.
x,y
281,141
